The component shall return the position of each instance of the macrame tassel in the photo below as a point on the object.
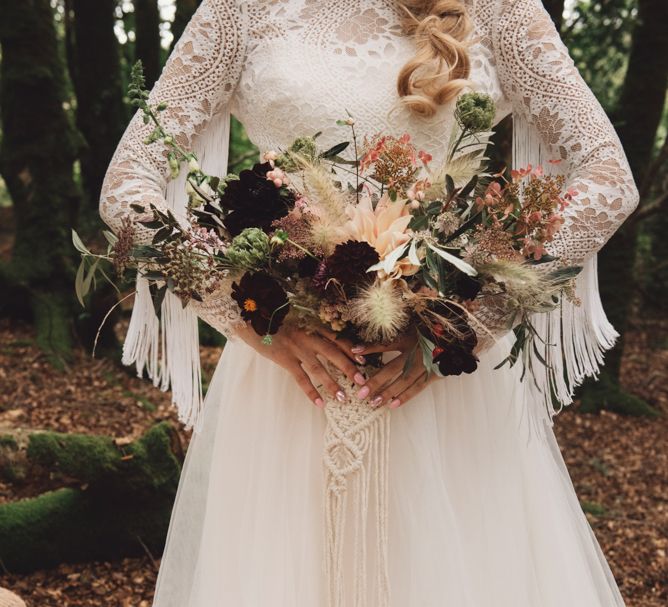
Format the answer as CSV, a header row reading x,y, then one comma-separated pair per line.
x,y
356,460
167,347
575,337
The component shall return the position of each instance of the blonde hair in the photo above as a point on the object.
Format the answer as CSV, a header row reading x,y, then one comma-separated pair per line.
x,y
440,69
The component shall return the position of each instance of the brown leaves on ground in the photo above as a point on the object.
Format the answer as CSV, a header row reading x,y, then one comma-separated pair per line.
x,y
619,465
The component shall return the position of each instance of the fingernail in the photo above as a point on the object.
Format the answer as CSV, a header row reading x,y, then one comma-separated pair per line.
x,y
319,403
359,379
363,392
376,401
360,359
341,396
394,404
357,349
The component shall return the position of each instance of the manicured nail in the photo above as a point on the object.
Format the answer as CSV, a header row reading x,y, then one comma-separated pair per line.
x,y
360,359
394,404
357,349
319,403
363,392
359,379
377,401
341,396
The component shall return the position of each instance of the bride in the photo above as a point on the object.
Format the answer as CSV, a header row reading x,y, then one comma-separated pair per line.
x,y
481,511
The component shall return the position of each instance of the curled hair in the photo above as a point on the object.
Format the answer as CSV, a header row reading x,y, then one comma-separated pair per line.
x,y
440,68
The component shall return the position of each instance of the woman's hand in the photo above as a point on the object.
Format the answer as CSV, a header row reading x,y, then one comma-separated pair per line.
x,y
297,352
391,385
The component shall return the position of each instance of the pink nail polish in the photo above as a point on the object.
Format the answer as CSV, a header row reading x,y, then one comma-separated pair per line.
x,y
395,403
341,396
359,379
360,359
319,403
377,401
357,349
363,392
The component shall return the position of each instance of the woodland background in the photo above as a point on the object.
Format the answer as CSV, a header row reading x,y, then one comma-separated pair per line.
x,y
90,455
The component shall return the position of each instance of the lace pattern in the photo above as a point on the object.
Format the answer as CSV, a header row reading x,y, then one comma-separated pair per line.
x,y
540,80
292,67
197,81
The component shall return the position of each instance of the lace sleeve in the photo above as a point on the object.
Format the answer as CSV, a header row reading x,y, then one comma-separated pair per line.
x,y
539,79
197,83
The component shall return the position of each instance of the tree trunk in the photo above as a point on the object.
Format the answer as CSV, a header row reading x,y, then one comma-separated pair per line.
x,y
120,504
101,114
185,9
637,116
556,10
37,153
147,41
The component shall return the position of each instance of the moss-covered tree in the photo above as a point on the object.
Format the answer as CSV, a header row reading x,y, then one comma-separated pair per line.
x,y
556,10
637,117
98,84
147,38
185,9
37,153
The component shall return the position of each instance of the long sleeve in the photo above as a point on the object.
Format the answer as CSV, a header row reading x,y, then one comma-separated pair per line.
x,y
197,83
540,80
557,116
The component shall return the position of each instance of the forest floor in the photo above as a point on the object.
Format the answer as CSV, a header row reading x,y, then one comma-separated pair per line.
x,y
619,465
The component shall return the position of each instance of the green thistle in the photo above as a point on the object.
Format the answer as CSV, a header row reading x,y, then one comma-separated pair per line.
x,y
302,149
250,249
475,112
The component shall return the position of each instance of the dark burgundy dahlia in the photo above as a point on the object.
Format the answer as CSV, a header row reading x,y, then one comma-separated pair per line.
x,y
262,301
253,201
466,287
454,343
349,262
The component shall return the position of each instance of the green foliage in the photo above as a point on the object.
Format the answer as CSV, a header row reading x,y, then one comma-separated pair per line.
x,y
598,35
243,154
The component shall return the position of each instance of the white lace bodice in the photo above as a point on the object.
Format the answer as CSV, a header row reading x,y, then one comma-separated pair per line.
x,y
292,67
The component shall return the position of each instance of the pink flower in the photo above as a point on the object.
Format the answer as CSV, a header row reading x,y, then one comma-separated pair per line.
x,y
278,177
425,157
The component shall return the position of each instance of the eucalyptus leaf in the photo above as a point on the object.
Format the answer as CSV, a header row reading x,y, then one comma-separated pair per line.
x,y
78,283
88,280
112,239
335,150
78,244
460,264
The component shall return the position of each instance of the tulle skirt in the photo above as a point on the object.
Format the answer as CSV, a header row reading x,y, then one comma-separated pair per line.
x,y
482,511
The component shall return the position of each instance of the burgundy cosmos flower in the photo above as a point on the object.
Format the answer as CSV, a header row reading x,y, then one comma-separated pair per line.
x,y
454,347
253,201
262,301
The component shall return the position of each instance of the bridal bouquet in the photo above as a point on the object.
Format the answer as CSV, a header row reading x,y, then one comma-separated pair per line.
x,y
369,247
405,246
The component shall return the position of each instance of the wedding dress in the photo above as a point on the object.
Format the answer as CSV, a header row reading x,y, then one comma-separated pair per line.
x,y
481,509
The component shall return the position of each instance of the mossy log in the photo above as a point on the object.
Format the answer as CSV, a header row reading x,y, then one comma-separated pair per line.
x,y
77,525
148,464
119,505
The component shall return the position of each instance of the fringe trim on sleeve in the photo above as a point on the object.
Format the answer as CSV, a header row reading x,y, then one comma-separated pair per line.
x,y
575,337
167,347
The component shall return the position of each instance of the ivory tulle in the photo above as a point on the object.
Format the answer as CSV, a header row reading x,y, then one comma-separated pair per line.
x,y
482,511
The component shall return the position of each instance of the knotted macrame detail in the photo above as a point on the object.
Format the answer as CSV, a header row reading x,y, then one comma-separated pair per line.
x,y
356,462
